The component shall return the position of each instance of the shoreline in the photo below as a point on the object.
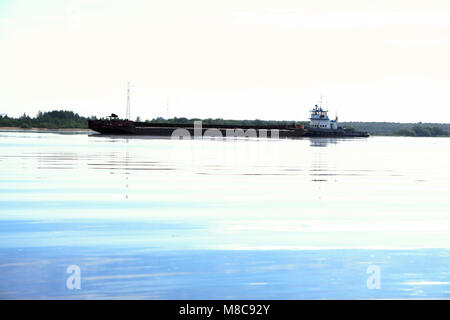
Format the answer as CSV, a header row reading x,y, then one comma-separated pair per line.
x,y
44,129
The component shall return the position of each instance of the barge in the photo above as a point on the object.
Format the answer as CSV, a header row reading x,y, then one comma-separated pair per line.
x,y
320,126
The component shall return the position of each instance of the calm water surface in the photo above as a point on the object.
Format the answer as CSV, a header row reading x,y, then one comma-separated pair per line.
x,y
237,219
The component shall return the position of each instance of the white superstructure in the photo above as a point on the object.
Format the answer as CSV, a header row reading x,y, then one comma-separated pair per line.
x,y
319,119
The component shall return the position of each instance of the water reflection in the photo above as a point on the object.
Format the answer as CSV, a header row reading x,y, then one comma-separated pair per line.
x,y
322,142
155,218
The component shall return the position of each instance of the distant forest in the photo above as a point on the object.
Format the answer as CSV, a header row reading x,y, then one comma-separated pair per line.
x,y
401,129
50,120
67,119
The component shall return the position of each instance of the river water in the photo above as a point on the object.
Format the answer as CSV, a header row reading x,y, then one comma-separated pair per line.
x,y
84,216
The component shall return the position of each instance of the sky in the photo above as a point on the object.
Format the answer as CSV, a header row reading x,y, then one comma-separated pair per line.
x,y
383,60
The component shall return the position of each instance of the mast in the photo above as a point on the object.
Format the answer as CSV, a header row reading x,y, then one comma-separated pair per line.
x,y
167,107
128,115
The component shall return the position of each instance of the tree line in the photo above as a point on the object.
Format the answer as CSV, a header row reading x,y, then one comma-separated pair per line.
x,y
57,119
230,122
401,129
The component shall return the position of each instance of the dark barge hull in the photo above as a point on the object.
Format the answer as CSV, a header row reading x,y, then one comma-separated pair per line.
x,y
125,127
335,133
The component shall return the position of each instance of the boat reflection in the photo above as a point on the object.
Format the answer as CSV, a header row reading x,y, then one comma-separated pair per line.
x,y
323,142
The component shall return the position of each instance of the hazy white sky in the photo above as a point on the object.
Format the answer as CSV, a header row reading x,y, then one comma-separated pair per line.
x,y
380,60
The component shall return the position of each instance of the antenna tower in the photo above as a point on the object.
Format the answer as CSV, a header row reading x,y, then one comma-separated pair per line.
x,y
128,116
167,107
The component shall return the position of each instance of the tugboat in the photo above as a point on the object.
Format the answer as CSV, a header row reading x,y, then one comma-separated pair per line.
x,y
320,125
